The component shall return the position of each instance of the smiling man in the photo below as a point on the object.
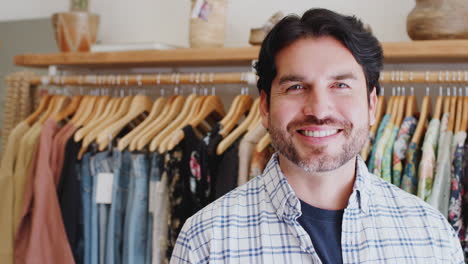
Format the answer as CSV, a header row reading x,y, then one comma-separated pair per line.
x,y
316,202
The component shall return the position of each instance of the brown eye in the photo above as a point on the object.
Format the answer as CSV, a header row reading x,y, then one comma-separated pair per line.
x,y
295,87
341,85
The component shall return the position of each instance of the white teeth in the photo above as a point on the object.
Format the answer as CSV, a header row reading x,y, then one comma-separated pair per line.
x,y
319,134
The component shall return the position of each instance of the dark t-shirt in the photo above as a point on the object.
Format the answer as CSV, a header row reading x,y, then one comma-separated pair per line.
x,y
324,229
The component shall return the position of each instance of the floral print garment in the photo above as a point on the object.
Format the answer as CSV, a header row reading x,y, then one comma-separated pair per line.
x,y
379,152
456,192
387,157
465,198
440,195
410,175
401,146
428,160
371,158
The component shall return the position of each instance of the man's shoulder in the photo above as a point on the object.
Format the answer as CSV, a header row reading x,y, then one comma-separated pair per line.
x,y
235,206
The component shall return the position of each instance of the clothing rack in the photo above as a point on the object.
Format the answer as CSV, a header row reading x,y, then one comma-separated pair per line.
x,y
232,78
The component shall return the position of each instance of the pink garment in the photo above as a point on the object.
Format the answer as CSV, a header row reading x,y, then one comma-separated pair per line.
x,y
42,237
58,150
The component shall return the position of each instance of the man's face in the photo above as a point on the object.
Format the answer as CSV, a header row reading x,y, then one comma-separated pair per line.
x,y
318,116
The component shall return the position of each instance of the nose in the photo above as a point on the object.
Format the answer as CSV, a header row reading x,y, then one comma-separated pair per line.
x,y
317,103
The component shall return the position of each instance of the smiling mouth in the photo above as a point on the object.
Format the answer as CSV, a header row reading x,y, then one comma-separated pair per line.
x,y
319,134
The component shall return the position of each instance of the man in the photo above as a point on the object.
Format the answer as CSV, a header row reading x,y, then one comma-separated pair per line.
x,y
316,202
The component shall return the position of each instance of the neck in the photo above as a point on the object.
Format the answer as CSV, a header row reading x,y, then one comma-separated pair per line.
x,y
326,190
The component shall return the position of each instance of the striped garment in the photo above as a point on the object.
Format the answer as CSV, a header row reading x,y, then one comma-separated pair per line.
x,y
257,223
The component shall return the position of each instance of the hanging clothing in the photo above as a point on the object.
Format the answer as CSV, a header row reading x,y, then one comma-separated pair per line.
x,y
120,188
410,174
246,146
382,126
259,161
7,229
401,146
441,188
69,194
23,170
386,172
379,152
456,192
136,235
428,160
272,234
46,241
159,210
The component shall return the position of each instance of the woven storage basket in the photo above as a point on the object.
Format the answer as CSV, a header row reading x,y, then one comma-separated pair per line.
x,y
438,19
209,32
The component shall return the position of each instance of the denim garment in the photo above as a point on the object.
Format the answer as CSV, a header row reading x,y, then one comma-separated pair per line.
x,y
156,163
86,190
101,162
114,243
137,224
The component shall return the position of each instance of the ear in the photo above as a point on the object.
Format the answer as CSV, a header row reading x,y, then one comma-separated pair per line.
x,y
264,111
372,106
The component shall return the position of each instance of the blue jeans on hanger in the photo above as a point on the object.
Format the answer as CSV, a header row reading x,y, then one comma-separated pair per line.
x,y
86,191
101,162
136,226
115,230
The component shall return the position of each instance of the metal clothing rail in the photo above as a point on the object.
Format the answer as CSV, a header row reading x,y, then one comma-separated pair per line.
x,y
232,78
149,79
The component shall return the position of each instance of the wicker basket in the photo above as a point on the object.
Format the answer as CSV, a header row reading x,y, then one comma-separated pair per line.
x,y
438,19
208,32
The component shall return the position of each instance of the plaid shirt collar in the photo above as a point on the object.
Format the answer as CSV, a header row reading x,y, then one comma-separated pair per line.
x,y
286,203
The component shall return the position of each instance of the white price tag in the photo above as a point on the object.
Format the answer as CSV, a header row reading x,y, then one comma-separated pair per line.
x,y
197,8
105,181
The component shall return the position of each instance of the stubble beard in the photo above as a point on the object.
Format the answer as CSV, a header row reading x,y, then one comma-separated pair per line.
x,y
322,162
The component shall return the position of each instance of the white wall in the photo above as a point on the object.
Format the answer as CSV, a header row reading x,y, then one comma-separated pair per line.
x,y
167,20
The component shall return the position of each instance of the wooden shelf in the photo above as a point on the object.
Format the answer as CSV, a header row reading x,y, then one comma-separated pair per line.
x,y
395,52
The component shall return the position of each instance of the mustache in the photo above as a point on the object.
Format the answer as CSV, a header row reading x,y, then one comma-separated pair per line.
x,y
313,120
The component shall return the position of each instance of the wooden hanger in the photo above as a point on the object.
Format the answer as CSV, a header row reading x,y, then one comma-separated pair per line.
x,y
464,124
156,109
453,113
85,111
156,122
96,118
140,104
238,131
231,111
379,114
93,134
263,143
438,108
400,111
257,118
43,106
183,121
395,107
411,106
59,103
447,105
211,106
69,110
243,106
186,110
425,112
459,114
161,123
390,105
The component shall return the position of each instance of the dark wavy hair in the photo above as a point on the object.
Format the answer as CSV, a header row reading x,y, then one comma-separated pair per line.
x,y
319,22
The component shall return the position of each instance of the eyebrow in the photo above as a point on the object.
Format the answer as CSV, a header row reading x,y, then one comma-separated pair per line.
x,y
290,78
343,76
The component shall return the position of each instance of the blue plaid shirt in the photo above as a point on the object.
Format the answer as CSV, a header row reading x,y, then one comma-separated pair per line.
x,y
257,223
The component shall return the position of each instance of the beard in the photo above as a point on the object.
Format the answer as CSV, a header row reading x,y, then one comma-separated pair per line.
x,y
316,160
